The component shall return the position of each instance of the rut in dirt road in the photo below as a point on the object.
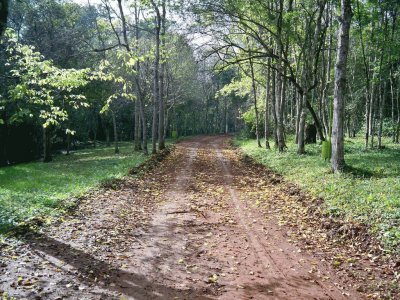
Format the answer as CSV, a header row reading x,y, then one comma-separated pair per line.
x,y
190,229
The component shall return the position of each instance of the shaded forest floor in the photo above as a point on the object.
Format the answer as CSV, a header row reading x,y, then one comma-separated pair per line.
x,y
205,223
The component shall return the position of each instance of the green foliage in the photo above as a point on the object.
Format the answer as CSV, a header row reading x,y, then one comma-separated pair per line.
x,y
40,89
249,117
32,189
368,192
241,88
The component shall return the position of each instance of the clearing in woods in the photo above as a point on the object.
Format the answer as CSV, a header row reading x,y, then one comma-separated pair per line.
x,y
202,225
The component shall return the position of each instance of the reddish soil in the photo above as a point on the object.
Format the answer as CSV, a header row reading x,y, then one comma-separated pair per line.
x,y
194,227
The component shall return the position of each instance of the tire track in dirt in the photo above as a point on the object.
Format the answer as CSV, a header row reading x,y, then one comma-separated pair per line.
x,y
288,290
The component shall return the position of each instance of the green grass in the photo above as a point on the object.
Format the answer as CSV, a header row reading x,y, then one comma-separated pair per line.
x,y
368,192
32,189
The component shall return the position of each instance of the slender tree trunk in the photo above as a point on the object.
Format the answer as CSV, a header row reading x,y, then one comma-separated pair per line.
x,y
367,109
156,80
140,120
302,124
372,114
281,116
325,100
266,115
161,99
68,143
47,155
298,115
156,92
226,114
367,78
279,113
392,98
381,106
273,98
136,146
398,113
140,130
337,160
144,126
114,121
253,83
293,108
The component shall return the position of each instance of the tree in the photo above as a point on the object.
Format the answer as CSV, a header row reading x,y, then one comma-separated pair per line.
x,y
337,159
42,90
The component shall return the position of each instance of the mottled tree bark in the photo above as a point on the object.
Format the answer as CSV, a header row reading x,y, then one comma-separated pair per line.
x,y
337,160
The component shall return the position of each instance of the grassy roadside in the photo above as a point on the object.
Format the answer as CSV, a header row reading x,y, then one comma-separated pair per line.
x,y
368,193
39,189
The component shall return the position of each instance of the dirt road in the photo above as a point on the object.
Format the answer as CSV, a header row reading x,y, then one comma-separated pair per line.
x,y
193,228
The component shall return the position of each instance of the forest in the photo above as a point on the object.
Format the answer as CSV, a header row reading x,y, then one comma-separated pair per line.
x,y
199,149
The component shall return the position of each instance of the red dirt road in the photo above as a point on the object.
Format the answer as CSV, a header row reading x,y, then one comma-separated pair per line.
x,y
193,228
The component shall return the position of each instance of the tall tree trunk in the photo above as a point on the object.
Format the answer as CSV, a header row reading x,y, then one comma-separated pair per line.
x,y
47,155
281,127
279,113
68,143
398,112
144,126
253,83
156,79
367,78
372,111
114,121
226,114
266,115
392,98
302,124
273,96
337,160
136,146
154,127
140,122
161,99
299,104
381,106
325,101
280,83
